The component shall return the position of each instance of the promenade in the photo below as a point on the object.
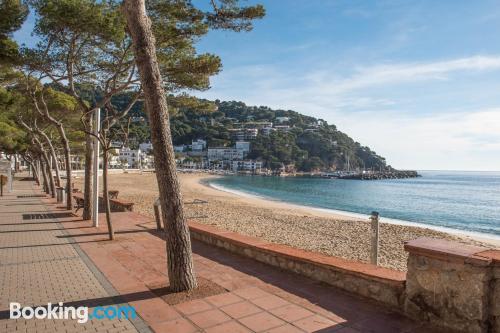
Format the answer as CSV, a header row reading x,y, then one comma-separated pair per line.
x,y
47,254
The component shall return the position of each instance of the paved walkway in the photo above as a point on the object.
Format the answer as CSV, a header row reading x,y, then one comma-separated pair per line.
x,y
40,263
38,266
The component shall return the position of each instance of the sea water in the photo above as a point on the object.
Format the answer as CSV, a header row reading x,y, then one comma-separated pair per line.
x,y
463,201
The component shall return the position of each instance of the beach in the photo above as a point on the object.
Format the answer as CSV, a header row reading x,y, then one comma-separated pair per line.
x,y
307,228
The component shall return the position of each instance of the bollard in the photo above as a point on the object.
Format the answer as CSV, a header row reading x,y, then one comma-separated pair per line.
x,y
156,207
374,237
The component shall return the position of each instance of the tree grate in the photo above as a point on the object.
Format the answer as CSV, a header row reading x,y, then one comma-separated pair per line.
x,y
31,196
45,216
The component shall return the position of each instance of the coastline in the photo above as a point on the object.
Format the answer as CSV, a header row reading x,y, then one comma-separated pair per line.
x,y
345,215
333,233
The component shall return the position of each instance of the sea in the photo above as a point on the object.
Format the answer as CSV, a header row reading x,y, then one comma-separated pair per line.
x,y
451,201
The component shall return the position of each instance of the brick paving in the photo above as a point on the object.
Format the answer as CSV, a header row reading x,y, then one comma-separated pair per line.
x,y
39,265
258,297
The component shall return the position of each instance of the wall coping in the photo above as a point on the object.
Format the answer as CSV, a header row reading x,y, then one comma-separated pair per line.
x,y
494,255
448,250
353,267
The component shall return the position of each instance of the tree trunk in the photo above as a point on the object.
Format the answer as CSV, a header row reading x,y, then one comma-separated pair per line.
x,y
88,202
54,156
34,172
105,192
45,159
51,184
67,160
45,178
180,264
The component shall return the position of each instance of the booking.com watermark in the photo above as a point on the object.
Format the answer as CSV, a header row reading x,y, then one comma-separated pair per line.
x,y
81,313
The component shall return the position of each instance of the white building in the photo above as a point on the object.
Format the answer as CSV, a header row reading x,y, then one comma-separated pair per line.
x,y
247,165
224,153
244,133
282,128
267,130
131,158
198,145
146,147
243,146
282,119
179,149
114,159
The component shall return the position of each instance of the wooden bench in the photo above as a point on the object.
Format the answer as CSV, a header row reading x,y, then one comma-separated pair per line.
x,y
115,204
120,206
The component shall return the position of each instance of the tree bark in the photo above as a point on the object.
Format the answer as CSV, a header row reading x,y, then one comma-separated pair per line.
x,y
105,192
88,202
52,154
52,184
34,173
180,264
67,160
45,178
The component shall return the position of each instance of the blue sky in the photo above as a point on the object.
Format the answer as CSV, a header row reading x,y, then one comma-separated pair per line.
x,y
417,81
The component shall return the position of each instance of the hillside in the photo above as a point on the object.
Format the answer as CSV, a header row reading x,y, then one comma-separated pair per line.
x,y
305,142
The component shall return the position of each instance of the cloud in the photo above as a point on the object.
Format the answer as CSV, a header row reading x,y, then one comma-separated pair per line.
x,y
323,85
393,108
397,73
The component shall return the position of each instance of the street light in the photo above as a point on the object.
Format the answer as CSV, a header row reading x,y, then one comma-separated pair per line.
x,y
97,125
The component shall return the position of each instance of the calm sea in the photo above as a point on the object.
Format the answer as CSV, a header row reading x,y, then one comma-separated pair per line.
x,y
466,201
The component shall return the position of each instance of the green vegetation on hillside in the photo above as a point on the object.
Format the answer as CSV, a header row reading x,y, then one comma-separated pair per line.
x,y
309,144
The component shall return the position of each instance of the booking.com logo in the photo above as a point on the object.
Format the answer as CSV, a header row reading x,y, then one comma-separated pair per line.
x,y
81,313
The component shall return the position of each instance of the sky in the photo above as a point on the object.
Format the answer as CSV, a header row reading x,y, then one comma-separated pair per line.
x,y
416,81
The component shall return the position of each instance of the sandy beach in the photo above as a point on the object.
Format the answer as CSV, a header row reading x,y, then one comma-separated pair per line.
x,y
307,228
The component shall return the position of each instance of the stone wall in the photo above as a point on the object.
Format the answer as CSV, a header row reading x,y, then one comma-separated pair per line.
x,y
452,285
494,293
383,285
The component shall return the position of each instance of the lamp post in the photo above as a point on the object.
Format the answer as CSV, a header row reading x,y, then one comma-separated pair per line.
x,y
97,125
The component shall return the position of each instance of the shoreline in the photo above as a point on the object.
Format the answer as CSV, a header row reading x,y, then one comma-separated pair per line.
x,y
352,216
333,233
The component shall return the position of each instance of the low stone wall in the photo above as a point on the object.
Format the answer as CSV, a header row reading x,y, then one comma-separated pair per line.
x,y
453,285
495,292
381,284
448,284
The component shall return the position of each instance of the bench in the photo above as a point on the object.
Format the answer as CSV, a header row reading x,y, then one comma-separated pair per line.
x,y
115,204
120,206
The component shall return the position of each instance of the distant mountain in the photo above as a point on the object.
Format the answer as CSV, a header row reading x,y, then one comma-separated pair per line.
x,y
303,141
